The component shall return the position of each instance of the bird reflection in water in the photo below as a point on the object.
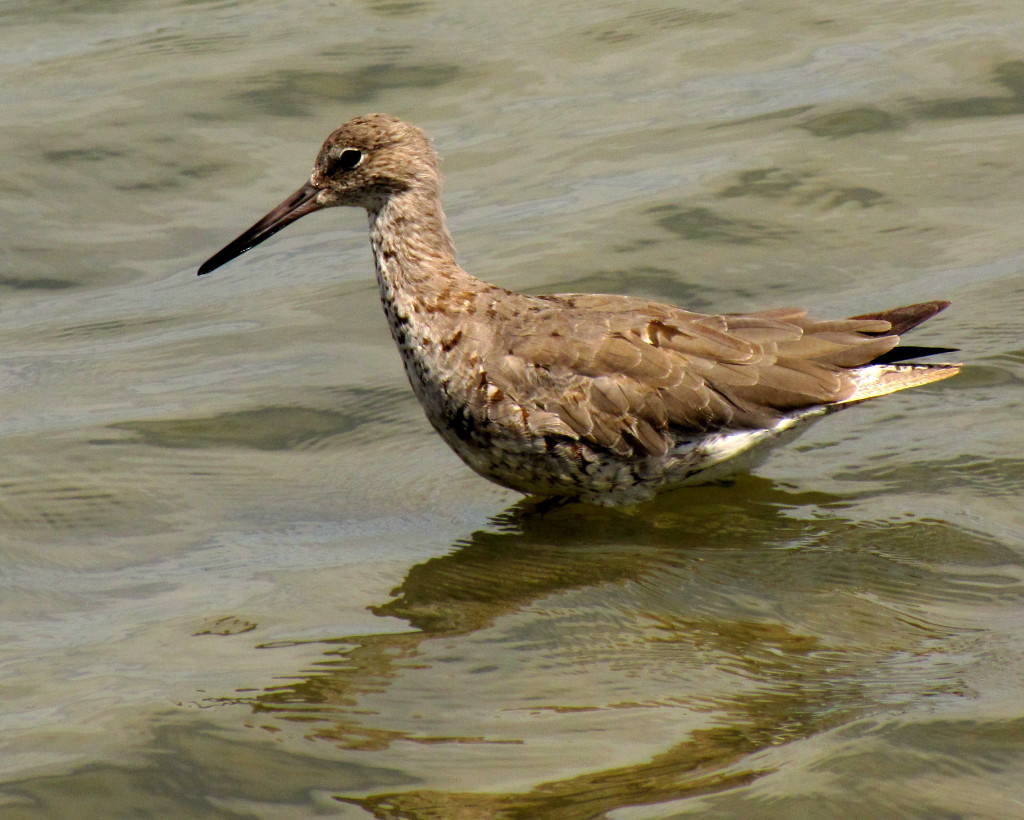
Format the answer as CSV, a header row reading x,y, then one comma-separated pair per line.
x,y
687,642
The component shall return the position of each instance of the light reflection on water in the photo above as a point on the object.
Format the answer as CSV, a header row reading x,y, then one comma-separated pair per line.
x,y
678,642
235,570
575,661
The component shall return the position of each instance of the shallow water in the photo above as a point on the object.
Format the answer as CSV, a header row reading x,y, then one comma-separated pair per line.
x,y
241,577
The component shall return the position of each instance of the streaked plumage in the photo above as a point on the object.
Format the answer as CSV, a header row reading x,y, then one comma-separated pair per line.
x,y
604,398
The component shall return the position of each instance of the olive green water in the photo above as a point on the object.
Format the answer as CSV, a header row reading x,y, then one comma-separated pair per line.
x,y
240,577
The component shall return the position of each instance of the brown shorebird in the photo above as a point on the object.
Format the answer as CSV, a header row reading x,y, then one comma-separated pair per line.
x,y
608,399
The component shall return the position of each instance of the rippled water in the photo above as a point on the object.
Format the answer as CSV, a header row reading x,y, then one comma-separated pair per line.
x,y
241,577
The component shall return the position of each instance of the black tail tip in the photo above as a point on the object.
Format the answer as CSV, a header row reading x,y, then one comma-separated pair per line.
x,y
905,352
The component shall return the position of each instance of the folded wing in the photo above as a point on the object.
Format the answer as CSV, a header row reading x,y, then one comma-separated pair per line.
x,y
633,376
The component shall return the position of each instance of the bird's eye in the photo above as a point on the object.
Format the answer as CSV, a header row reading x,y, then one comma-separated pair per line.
x,y
346,160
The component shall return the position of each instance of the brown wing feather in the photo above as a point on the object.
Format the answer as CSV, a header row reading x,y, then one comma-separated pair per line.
x,y
907,317
631,375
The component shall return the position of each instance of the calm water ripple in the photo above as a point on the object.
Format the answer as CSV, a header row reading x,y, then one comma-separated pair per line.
x,y
240,576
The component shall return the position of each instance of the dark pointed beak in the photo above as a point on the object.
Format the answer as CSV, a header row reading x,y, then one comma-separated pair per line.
x,y
302,202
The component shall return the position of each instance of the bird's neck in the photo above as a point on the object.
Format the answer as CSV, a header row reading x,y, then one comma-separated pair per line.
x,y
415,259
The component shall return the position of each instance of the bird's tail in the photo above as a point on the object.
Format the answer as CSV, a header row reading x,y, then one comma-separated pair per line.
x,y
881,379
903,319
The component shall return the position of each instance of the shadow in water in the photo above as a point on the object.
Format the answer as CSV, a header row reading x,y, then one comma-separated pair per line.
x,y
622,659
1008,74
569,662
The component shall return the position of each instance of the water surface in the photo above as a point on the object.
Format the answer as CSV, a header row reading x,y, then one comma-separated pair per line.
x,y
240,575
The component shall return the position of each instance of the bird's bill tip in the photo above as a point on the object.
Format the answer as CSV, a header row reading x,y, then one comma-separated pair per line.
x,y
300,203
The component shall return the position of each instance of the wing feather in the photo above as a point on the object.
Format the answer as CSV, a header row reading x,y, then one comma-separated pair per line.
x,y
631,375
